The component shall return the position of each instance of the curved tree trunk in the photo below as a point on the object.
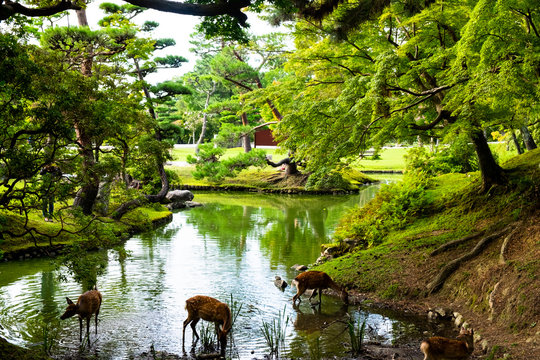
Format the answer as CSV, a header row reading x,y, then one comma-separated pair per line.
x,y
290,169
516,143
527,138
205,116
492,173
159,160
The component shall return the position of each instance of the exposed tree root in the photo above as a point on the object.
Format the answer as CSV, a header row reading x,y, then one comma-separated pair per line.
x,y
453,265
455,243
504,246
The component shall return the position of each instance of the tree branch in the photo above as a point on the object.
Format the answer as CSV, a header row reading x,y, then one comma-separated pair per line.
x,y
9,8
232,8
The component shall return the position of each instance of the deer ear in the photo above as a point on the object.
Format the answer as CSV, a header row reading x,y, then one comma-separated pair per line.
x,y
69,301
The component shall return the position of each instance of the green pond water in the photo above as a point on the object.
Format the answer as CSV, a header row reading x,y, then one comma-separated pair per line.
x,y
234,245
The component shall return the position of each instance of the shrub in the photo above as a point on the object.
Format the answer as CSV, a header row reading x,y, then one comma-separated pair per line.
x,y
393,208
458,157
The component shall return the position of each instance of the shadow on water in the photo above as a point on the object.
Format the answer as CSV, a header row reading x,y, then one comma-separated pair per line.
x,y
235,244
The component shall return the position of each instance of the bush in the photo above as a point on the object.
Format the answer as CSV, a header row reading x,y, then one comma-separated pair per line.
x,y
392,209
458,157
208,164
326,180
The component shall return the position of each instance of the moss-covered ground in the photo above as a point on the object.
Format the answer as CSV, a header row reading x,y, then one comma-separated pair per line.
x,y
499,293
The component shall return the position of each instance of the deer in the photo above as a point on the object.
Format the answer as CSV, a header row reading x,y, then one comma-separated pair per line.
x,y
87,304
212,310
318,281
441,348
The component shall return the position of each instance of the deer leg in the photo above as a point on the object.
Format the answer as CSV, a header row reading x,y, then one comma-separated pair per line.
x,y
88,328
80,329
97,313
312,294
299,291
186,322
193,324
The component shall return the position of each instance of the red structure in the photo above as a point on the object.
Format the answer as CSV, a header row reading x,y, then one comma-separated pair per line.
x,y
264,138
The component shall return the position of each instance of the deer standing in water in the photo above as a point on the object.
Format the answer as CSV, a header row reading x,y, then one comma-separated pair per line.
x,y
209,309
87,304
441,348
318,281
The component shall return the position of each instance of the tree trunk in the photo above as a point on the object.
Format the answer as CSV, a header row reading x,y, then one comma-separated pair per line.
x,y
290,166
245,138
159,160
492,174
205,116
516,143
86,196
528,139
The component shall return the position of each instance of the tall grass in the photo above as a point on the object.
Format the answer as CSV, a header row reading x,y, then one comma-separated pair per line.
x,y
274,332
356,333
208,337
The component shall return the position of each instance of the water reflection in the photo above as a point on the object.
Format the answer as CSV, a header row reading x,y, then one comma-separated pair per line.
x,y
233,246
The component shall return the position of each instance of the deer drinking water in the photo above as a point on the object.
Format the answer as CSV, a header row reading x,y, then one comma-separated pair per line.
x,y
87,304
441,348
209,309
318,281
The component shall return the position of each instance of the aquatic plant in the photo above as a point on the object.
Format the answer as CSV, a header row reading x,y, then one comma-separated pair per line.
x,y
274,332
208,337
356,333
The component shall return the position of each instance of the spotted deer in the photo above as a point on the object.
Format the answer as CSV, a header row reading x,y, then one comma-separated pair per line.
x,y
441,348
209,309
318,281
87,304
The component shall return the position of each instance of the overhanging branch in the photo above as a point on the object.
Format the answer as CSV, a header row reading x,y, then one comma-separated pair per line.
x,y
9,8
232,8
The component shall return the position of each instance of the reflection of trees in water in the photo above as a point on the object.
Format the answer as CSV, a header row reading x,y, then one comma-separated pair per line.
x,y
47,291
287,226
326,324
229,225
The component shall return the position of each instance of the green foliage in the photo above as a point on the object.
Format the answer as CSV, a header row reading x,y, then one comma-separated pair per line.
x,y
274,332
326,180
208,164
393,207
356,334
458,157
229,134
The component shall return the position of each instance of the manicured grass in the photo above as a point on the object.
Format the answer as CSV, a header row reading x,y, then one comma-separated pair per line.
x,y
390,159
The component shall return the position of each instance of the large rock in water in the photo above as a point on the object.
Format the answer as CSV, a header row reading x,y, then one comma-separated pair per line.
x,y
179,196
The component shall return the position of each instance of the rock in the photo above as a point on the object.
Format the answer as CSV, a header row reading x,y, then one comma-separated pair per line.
x,y
322,259
179,196
458,320
191,204
101,206
280,284
299,267
484,345
176,205
442,312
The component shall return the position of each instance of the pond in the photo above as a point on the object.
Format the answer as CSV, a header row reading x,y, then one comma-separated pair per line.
x,y
230,249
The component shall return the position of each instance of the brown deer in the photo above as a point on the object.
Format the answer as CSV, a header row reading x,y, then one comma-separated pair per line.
x,y
87,304
209,309
318,281
441,348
